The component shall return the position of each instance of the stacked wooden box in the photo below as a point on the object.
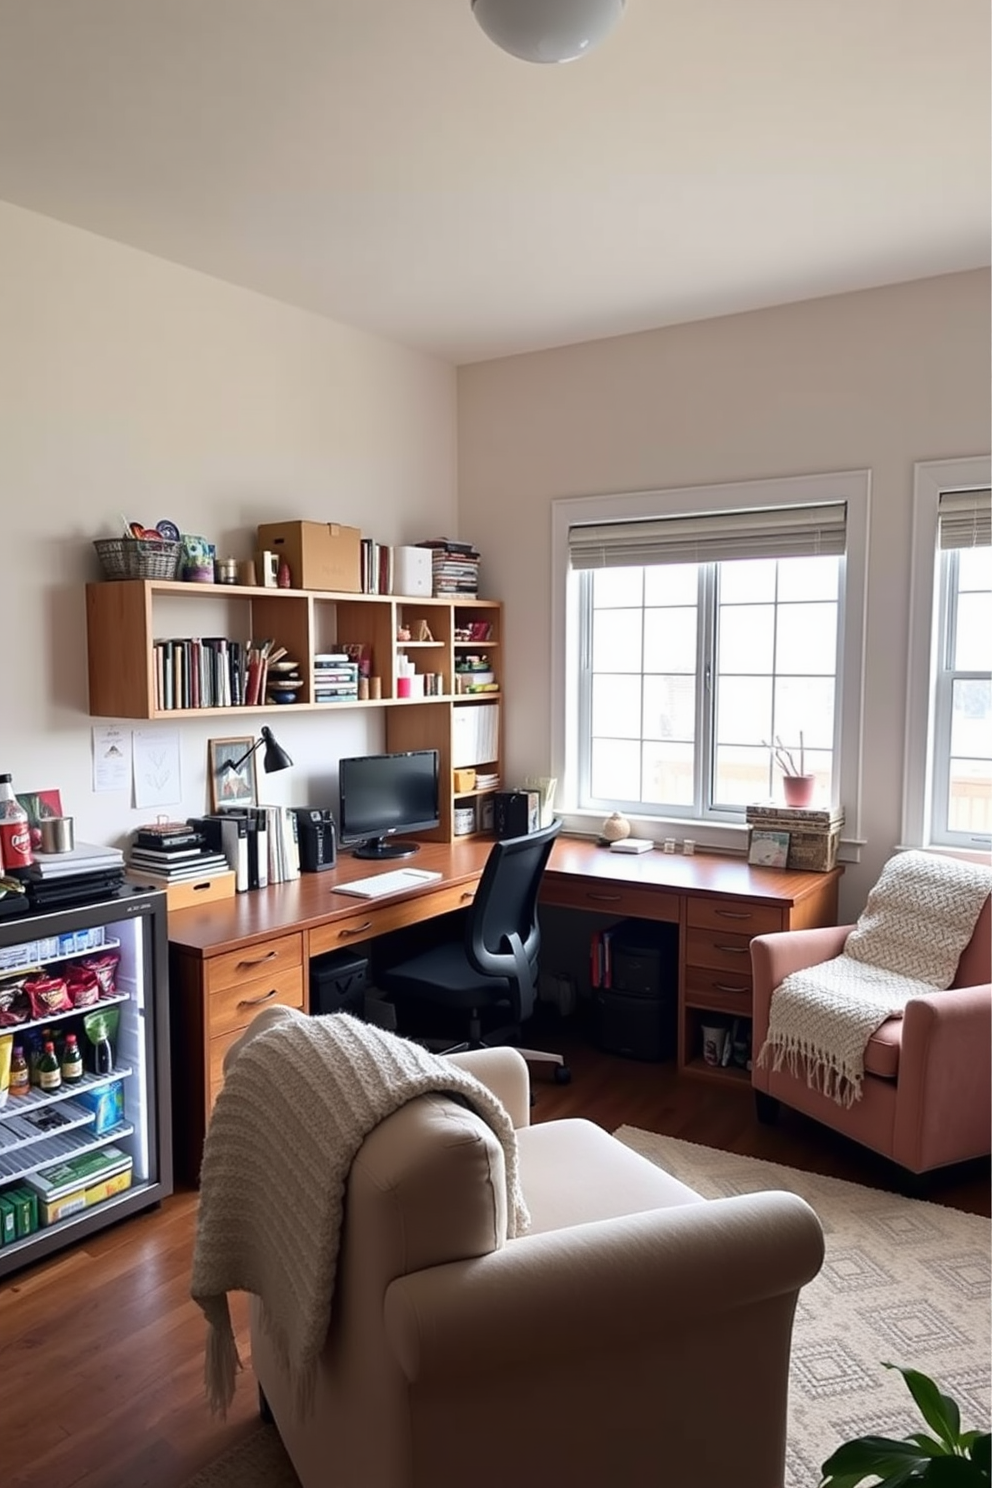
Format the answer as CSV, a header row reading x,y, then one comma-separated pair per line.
x,y
814,832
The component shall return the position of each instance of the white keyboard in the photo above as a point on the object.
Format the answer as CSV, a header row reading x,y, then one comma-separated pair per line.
x,y
395,882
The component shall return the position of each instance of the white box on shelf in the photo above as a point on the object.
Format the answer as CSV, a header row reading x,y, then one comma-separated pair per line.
x,y
412,572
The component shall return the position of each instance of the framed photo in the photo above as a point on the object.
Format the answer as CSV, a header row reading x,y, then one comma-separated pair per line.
x,y
230,787
768,849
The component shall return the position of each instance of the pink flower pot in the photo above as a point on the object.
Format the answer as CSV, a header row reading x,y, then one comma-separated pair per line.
x,y
798,789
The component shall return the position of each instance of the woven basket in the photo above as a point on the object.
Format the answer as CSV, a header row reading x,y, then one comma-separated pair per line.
x,y
138,558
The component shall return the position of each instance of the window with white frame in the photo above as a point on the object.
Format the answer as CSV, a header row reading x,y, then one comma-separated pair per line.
x,y
704,629
948,800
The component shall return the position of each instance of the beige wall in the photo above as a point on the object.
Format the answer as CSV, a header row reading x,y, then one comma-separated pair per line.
x,y
130,385
879,379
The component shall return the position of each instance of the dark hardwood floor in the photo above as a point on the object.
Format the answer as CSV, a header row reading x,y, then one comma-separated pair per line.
x,y
101,1348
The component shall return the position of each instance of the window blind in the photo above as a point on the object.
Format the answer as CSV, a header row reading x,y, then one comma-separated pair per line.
x,y
964,519
711,537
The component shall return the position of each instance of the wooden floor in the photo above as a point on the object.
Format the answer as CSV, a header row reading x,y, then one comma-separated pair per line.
x,y
101,1348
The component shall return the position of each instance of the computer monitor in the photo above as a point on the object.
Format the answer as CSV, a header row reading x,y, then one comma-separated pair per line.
x,y
382,794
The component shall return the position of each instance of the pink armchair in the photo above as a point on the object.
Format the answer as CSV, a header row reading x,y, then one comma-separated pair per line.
x,y
925,1101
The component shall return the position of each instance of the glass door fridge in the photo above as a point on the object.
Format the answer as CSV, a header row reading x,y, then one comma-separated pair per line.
x,y
97,1147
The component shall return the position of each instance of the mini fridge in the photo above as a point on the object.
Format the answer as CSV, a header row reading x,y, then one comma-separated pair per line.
x,y
83,1156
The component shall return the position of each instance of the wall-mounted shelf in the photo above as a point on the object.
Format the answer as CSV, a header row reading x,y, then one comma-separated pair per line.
x,y
127,619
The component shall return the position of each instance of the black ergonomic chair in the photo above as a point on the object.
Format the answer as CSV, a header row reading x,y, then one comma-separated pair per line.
x,y
495,965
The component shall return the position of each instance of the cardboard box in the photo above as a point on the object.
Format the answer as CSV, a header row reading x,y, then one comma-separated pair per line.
x,y
107,1105
50,1211
321,555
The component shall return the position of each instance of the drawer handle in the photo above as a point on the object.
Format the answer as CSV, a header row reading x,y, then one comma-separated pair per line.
x,y
358,930
260,960
732,950
254,1001
734,914
468,897
604,898
724,987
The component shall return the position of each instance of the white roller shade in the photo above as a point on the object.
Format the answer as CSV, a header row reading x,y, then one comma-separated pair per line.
x,y
964,519
713,537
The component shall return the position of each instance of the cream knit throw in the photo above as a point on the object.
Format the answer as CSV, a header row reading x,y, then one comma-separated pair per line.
x,y
907,943
298,1101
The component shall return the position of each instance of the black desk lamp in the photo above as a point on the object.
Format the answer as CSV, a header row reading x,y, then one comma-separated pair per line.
x,y
274,758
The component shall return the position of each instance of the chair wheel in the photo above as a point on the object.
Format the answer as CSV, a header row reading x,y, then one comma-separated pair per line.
x,y
563,1075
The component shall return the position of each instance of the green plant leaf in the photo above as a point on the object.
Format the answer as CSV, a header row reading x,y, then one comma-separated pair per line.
x,y
939,1411
981,1451
872,1454
928,1445
954,1472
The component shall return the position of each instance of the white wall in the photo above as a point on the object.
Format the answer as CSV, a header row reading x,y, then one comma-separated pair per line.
x,y
879,379
128,384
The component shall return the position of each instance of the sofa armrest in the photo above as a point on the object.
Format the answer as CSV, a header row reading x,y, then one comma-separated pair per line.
x,y
504,1071
599,1286
774,957
945,1074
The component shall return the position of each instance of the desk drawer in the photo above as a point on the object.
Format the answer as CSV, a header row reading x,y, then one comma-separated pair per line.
x,y
379,919
215,1073
735,915
636,900
264,959
719,951
233,1008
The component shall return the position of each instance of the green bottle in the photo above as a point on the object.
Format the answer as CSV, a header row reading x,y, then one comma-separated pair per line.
x,y
49,1071
72,1060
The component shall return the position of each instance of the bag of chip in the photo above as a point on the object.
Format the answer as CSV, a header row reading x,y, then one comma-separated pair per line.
x,y
47,995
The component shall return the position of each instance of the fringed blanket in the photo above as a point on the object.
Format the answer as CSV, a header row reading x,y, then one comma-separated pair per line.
x,y
297,1103
907,943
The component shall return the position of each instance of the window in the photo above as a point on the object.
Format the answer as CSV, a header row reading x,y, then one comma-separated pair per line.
x,y
948,801
699,627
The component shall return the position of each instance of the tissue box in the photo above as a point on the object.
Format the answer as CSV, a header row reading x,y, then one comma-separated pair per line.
x,y
107,1105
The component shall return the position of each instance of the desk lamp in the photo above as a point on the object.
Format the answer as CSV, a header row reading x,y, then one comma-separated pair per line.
x,y
274,758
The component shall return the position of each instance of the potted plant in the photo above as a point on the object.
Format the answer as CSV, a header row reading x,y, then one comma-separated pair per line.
x,y
797,786
950,1458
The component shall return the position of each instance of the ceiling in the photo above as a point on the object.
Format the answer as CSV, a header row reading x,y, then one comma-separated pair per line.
x,y
382,163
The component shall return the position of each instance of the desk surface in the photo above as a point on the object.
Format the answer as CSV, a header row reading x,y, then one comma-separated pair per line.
x,y
310,901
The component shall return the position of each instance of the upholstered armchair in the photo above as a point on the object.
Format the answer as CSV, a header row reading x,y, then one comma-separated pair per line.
x,y
635,1334
925,1095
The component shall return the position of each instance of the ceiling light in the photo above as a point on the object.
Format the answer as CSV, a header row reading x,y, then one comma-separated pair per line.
x,y
547,30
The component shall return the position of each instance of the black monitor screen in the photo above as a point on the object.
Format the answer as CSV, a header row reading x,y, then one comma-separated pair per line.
x,y
382,794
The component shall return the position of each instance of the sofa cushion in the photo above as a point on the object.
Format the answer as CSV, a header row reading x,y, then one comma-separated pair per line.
x,y
572,1172
883,1049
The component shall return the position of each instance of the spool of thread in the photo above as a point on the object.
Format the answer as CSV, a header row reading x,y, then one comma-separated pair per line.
x,y
363,689
375,687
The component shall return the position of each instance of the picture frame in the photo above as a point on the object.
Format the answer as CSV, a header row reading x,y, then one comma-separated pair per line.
x,y
768,849
231,789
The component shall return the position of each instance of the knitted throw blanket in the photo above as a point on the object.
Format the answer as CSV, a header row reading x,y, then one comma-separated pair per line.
x,y
907,943
298,1101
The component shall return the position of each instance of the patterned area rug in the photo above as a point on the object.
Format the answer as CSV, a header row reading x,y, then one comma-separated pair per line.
x,y
903,1281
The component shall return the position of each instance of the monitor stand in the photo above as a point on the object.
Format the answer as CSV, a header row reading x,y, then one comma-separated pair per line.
x,y
380,848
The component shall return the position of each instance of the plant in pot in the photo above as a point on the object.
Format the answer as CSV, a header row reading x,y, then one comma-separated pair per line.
x,y
797,786
950,1458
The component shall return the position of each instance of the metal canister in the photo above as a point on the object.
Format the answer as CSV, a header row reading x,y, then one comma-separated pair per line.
x,y
227,570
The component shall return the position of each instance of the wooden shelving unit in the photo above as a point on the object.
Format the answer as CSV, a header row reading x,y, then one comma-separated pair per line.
x,y
125,618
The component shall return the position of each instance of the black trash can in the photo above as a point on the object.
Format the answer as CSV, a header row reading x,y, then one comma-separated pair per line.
x,y
338,983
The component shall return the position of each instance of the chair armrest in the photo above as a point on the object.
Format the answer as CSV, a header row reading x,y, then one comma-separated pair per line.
x,y
504,1071
774,957
945,1075
601,1285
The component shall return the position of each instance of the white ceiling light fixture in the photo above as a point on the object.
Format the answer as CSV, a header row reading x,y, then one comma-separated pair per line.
x,y
547,30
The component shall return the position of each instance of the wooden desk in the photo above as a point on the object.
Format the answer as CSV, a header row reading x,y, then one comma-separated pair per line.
x,y
230,958
718,905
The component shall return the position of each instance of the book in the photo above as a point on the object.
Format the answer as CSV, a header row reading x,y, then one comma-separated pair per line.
x,y
768,849
85,857
165,854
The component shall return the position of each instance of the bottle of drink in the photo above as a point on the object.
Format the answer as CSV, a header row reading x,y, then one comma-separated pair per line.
x,y
15,830
20,1075
72,1060
49,1071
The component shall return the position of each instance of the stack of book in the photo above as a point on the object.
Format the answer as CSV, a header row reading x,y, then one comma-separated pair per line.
x,y
455,567
86,871
335,678
172,852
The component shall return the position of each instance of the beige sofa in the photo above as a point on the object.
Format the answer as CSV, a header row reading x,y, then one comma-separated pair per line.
x,y
636,1335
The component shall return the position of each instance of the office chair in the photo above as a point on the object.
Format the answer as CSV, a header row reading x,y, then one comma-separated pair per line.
x,y
495,965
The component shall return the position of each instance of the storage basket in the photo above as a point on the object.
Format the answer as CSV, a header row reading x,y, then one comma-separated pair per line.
x,y
138,557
